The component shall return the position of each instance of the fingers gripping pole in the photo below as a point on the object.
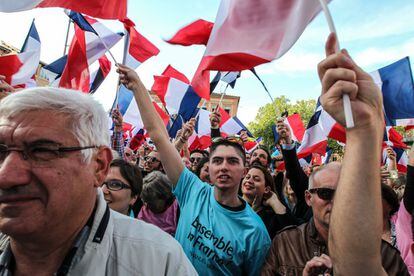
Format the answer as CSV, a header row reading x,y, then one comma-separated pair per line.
x,y
349,119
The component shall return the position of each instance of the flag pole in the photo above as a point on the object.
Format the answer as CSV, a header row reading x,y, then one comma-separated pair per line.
x,y
349,119
222,95
67,37
126,49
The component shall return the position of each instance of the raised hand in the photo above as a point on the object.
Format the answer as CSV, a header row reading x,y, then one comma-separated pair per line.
x,y
215,118
117,118
128,77
340,75
283,131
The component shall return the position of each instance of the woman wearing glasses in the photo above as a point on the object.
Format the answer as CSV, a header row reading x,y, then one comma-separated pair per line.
x,y
122,188
259,191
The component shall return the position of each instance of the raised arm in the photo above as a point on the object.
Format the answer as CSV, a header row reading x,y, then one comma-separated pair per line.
x,y
299,181
358,196
215,119
117,141
169,156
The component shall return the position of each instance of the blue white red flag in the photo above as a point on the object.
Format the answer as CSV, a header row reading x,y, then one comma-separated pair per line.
x,y
19,69
99,75
137,48
238,43
175,92
396,84
86,48
108,9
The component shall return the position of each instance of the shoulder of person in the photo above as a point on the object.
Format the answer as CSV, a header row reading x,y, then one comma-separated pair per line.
x,y
133,232
291,230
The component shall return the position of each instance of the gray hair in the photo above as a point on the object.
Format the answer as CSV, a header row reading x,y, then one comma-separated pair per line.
x,y
331,165
89,123
156,185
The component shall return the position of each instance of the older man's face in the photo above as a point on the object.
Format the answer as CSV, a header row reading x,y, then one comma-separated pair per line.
x,y
42,197
322,207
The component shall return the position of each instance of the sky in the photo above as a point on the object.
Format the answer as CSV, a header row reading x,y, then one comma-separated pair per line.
x,y
375,32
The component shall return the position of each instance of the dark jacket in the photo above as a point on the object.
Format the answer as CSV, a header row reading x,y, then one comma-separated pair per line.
x,y
299,182
274,222
294,246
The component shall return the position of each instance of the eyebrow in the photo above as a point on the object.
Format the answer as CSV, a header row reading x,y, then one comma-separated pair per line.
x,y
41,142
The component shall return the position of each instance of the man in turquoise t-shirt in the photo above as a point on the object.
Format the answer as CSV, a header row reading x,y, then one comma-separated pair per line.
x,y
218,231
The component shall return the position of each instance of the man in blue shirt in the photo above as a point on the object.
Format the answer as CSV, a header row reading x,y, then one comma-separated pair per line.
x,y
218,231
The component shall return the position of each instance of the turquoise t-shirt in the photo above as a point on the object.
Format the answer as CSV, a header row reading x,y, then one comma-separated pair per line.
x,y
216,240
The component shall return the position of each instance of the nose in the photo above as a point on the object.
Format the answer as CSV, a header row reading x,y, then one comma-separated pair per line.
x,y
14,171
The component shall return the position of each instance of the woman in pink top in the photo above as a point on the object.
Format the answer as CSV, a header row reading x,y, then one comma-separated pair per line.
x,y
404,218
160,207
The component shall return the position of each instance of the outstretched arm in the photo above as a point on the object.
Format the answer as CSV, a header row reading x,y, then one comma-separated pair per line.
x,y
169,156
358,196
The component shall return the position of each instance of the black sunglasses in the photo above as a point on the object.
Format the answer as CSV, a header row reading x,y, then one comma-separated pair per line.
x,y
116,185
323,193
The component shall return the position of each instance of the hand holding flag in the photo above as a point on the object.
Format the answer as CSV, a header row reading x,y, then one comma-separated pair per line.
x,y
340,75
4,86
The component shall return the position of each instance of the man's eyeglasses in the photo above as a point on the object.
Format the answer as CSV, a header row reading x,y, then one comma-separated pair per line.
x,y
116,185
323,193
39,154
151,159
232,139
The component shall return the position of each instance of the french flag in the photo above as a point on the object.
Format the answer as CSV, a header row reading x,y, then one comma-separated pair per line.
x,y
130,112
19,69
175,92
228,126
247,33
320,127
396,84
108,9
195,33
85,49
393,138
295,125
228,77
99,75
137,48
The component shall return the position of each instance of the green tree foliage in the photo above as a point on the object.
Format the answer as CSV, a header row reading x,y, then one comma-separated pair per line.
x,y
267,115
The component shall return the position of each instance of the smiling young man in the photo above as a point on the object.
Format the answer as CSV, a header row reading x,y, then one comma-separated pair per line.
x,y
219,232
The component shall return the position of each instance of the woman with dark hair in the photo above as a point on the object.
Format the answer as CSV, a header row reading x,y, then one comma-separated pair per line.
x,y
390,206
160,207
259,191
122,187
202,170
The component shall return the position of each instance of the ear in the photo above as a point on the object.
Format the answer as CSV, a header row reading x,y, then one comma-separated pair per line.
x,y
308,197
267,189
133,200
102,160
245,171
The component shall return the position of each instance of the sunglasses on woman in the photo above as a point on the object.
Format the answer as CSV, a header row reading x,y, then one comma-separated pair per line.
x,y
323,193
116,185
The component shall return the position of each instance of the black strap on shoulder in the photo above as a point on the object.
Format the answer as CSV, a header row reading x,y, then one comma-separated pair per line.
x,y
102,227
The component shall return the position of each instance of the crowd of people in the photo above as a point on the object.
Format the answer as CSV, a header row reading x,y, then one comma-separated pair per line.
x,y
77,200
